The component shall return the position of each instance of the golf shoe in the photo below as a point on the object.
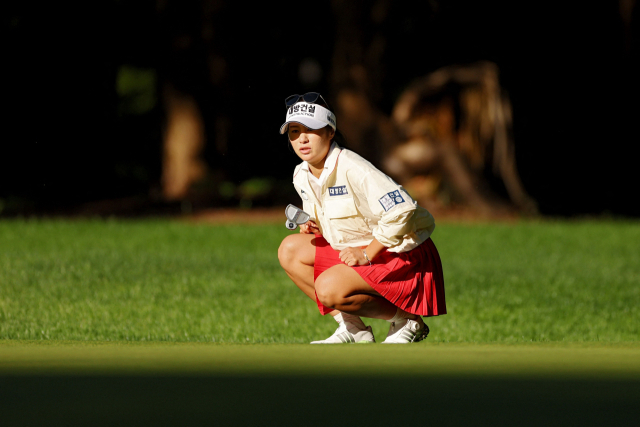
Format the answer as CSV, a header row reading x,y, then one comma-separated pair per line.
x,y
349,334
407,331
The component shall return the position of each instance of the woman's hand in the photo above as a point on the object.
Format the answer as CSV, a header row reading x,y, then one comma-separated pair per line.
x,y
353,256
309,227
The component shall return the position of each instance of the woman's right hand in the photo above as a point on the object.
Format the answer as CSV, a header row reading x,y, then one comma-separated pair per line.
x,y
309,227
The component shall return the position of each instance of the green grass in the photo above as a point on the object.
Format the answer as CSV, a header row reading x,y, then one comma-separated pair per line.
x,y
160,280
156,323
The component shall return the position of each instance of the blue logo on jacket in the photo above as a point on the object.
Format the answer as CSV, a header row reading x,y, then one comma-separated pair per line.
x,y
389,200
340,190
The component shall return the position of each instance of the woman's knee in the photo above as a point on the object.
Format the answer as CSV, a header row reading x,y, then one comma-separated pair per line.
x,y
297,248
294,248
287,250
328,293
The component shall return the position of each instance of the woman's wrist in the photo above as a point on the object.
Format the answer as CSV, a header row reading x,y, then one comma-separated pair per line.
x,y
374,248
364,252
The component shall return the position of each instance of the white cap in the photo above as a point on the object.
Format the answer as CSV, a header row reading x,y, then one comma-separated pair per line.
x,y
313,116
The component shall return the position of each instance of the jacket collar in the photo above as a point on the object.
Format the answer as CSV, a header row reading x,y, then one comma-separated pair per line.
x,y
329,165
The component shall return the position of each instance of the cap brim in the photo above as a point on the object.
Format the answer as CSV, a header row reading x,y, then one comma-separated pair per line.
x,y
305,121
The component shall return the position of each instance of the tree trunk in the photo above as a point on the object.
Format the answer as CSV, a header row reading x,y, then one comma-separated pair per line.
x,y
357,74
183,144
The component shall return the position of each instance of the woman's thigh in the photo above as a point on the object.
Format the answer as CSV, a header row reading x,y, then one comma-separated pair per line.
x,y
298,247
345,281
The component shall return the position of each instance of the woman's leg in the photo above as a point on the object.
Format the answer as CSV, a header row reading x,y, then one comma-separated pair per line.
x,y
341,288
297,254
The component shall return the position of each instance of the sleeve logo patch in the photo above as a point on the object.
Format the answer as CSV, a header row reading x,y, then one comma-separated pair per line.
x,y
338,191
389,200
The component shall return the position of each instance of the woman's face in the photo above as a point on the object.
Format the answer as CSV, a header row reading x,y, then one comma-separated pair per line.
x,y
310,145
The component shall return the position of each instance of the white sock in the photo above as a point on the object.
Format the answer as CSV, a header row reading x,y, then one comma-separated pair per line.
x,y
401,315
350,320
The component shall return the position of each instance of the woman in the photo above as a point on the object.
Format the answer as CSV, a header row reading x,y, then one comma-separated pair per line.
x,y
366,250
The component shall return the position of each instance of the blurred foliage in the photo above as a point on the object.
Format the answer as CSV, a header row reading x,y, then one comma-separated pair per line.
x,y
136,89
95,133
227,189
263,190
255,187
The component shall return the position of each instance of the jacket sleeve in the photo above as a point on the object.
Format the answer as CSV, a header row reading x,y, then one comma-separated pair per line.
x,y
390,204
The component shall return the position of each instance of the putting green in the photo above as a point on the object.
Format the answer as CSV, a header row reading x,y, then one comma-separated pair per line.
x,y
593,360
124,383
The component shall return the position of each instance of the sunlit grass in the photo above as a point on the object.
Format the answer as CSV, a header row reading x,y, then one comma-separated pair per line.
x,y
156,280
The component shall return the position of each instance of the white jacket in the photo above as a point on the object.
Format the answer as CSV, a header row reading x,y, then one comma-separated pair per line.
x,y
359,203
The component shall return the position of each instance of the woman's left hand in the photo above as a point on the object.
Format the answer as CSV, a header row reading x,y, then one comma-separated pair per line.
x,y
353,256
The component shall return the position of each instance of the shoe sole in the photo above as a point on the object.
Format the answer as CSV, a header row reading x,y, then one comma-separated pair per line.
x,y
423,335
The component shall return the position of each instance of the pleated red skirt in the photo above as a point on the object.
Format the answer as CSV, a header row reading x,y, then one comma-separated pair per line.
x,y
411,280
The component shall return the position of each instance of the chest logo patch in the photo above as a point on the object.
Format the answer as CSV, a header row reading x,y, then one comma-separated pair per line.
x,y
389,200
340,190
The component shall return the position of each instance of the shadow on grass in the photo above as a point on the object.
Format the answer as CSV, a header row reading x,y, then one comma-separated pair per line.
x,y
314,401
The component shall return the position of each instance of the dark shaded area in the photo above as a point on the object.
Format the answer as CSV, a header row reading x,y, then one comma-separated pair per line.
x,y
314,401
72,138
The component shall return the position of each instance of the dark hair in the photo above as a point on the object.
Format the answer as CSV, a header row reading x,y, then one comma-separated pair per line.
x,y
338,137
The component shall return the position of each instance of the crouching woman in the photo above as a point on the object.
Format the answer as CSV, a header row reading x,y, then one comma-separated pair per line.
x,y
366,251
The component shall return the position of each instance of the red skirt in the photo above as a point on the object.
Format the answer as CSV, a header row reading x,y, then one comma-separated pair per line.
x,y
410,280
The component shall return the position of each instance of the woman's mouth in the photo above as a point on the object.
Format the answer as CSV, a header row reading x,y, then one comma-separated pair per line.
x,y
305,150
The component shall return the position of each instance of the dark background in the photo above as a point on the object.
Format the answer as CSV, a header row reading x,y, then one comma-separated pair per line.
x,y
70,138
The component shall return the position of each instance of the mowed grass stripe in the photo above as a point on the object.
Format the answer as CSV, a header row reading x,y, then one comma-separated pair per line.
x,y
160,280
532,360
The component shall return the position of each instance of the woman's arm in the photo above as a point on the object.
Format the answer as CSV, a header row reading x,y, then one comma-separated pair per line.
x,y
389,203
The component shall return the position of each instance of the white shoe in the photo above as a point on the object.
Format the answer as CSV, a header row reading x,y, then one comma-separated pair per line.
x,y
407,332
343,336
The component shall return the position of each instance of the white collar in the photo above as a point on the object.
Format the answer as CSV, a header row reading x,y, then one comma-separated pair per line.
x,y
321,180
